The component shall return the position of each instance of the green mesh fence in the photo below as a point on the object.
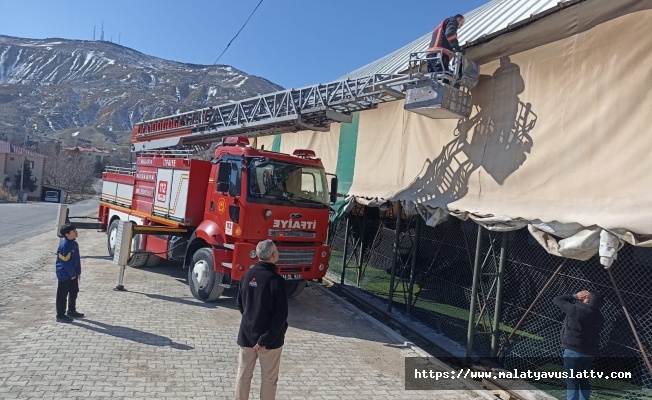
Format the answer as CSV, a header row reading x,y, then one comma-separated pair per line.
x,y
442,280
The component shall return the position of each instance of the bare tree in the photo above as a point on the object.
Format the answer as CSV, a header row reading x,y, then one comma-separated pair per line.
x,y
81,173
73,172
55,162
120,157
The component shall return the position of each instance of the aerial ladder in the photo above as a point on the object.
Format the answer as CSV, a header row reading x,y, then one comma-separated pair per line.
x,y
436,95
210,214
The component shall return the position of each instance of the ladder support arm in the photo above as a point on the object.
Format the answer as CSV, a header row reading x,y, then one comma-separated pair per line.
x,y
313,107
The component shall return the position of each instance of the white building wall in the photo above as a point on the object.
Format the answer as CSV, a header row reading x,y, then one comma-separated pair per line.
x,y
13,165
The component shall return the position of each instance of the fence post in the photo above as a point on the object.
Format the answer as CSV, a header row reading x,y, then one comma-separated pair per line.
x,y
413,263
365,216
630,322
474,292
346,248
495,335
397,244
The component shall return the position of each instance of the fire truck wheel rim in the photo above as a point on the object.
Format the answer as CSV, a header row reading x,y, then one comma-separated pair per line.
x,y
113,237
200,274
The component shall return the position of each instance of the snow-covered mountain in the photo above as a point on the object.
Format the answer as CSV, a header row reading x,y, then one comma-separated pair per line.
x,y
56,86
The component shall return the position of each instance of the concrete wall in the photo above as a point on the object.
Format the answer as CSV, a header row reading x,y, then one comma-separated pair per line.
x,y
3,174
12,165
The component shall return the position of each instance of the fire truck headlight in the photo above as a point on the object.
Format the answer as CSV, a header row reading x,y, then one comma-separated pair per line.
x,y
321,267
268,213
252,254
324,254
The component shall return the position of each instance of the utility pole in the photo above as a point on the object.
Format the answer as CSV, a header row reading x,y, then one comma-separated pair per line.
x,y
21,193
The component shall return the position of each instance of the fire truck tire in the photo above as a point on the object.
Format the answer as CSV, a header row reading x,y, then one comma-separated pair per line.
x,y
112,237
138,260
204,282
152,260
294,288
139,256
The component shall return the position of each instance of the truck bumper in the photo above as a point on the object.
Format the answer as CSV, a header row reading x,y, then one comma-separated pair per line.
x,y
295,262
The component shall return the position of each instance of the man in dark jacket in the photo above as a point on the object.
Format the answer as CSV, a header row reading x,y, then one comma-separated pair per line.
x,y
262,301
580,338
68,269
444,40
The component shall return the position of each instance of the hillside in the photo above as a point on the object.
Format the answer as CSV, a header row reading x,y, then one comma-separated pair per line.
x,y
54,88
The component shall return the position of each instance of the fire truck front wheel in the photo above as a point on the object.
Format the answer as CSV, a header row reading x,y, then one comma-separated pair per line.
x,y
294,288
112,236
204,282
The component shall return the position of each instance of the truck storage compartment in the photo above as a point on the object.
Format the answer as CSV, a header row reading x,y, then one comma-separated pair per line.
x,y
180,190
118,186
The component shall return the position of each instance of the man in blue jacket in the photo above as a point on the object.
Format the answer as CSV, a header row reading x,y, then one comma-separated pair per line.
x,y
262,301
68,268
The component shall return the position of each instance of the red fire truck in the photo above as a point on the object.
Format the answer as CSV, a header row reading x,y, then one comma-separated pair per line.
x,y
211,214
223,208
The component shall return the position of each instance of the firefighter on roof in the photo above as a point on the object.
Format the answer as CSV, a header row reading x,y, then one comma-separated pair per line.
x,y
444,39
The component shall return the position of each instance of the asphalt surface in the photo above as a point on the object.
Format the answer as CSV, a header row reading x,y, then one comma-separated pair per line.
x,y
21,221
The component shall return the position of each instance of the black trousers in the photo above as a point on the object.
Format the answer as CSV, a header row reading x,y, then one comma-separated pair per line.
x,y
67,290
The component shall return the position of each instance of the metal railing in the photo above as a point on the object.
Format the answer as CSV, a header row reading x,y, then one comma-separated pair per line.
x,y
119,170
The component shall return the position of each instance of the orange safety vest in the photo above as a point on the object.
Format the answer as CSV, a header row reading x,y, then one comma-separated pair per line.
x,y
441,42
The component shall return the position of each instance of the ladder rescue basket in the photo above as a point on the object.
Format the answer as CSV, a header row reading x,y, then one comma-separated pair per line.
x,y
439,101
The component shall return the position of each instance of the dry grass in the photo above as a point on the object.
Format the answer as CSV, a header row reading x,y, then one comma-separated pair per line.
x,y
6,196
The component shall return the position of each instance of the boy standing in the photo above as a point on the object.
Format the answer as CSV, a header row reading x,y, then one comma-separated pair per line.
x,y
68,268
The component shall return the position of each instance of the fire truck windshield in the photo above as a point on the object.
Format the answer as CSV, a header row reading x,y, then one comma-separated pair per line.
x,y
276,181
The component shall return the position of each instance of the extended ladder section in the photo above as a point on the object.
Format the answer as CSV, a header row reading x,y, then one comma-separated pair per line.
x,y
310,108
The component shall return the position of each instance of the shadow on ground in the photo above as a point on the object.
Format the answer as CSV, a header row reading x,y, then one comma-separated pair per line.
x,y
313,310
134,335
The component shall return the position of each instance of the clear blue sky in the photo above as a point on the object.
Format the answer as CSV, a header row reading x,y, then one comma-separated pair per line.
x,y
293,43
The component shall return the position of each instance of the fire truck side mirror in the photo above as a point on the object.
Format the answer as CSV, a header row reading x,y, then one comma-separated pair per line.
x,y
333,189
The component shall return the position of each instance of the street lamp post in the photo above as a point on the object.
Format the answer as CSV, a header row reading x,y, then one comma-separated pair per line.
x,y
21,193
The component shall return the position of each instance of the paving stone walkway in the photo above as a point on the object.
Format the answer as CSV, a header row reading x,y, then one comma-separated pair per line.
x,y
156,341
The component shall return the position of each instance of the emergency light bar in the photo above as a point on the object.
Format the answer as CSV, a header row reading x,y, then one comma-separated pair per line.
x,y
304,153
236,141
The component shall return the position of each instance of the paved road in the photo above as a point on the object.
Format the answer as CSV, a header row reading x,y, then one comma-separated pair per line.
x,y
156,341
20,221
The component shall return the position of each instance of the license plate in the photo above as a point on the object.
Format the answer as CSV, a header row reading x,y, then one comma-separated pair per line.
x,y
292,277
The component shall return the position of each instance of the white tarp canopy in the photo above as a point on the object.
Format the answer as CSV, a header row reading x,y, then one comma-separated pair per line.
x,y
559,139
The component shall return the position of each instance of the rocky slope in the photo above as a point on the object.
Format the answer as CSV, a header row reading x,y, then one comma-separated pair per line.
x,y
92,92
